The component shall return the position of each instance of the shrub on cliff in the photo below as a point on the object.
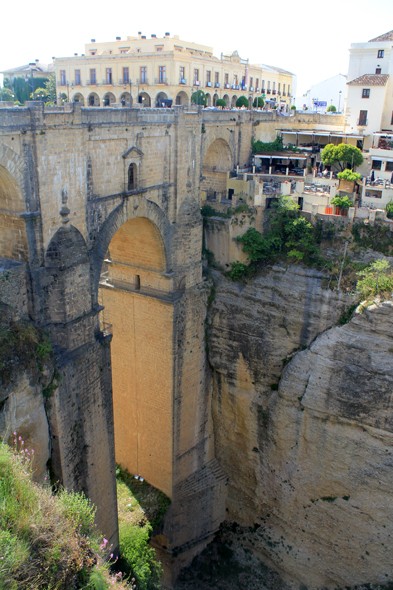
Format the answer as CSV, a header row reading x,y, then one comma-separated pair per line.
x,y
376,279
47,542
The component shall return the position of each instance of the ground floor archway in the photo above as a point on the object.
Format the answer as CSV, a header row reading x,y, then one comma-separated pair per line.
x,y
161,96
126,99
208,99
226,98
144,99
233,101
215,98
78,97
109,99
93,100
182,98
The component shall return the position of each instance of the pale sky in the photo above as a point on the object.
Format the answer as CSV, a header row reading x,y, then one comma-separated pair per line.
x,y
310,39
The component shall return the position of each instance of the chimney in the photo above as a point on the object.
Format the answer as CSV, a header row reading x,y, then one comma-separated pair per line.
x,y
154,36
143,37
167,34
75,54
139,34
118,38
92,40
37,61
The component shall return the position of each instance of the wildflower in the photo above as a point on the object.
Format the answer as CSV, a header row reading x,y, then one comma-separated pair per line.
x,y
20,438
14,432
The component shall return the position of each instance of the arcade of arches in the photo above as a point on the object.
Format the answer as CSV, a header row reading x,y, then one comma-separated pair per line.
x,y
218,161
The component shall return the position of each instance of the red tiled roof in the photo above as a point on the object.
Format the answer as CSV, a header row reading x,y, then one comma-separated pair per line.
x,y
385,37
370,80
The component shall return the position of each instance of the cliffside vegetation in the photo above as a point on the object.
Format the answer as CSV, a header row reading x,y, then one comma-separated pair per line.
x,y
47,541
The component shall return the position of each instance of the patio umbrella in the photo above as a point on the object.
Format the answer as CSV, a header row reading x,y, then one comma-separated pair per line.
x,y
372,176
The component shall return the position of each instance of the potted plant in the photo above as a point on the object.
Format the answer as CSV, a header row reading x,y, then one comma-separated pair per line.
x,y
342,205
347,180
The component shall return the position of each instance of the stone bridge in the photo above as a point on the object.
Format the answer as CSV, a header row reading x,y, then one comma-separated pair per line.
x,y
102,206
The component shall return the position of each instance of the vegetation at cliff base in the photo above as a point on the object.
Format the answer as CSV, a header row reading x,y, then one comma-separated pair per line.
x,y
47,541
141,508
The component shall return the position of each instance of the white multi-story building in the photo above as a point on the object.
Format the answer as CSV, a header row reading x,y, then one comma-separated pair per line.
x,y
331,91
369,110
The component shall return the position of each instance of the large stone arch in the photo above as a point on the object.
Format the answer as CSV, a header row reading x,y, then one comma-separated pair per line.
x,y
68,276
13,236
132,208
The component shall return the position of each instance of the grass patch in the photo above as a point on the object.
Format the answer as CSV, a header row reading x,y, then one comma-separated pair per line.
x,y
47,542
141,508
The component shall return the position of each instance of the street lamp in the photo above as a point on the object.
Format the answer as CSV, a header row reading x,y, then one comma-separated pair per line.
x,y
31,65
339,100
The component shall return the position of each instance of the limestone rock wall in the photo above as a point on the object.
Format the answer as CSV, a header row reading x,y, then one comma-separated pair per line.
x,y
303,426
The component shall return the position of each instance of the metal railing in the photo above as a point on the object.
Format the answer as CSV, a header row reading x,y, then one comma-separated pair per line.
x,y
161,80
143,80
362,122
183,81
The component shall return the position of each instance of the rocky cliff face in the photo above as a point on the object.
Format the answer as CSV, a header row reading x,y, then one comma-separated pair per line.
x,y
302,408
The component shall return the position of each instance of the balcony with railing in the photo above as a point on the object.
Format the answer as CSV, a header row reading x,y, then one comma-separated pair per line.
x,y
183,81
284,93
268,91
143,80
273,92
217,85
208,84
226,86
279,92
161,80
362,122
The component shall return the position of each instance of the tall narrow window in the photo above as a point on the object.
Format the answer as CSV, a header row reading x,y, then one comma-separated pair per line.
x,y
381,53
132,177
279,88
77,77
182,76
208,77
109,75
144,75
263,86
196,77
162,74
289,90
391,122
126,76
256,83
235,79
226,80
217,79
366,93
363,118
92,77
62,77
251,81
283,89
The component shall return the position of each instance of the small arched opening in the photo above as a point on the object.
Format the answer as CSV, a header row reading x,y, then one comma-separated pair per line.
x,y
208,99
215,98
182,99
132,176
226,98
144,99
93,100
109,99
217,162
233,101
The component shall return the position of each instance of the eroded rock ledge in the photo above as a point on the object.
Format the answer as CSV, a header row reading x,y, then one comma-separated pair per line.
x,y
302,409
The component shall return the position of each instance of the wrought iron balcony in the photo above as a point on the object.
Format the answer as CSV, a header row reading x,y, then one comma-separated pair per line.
x,y
208,84
183,81
161,80
273,92
217,85
143,80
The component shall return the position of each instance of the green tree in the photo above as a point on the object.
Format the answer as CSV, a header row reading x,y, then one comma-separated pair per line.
x,y
331,109
40,94
242,101
6,94
199,97
258,102
50,87
221,102
293,108
341,155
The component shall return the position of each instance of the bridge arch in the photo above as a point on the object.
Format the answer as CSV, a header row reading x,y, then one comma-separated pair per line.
x,y
132,208
217,161
13,237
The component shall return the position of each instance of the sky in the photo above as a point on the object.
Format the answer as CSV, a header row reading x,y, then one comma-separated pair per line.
x,y
310,39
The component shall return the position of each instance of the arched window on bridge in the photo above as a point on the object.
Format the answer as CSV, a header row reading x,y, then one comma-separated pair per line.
x,y
132,177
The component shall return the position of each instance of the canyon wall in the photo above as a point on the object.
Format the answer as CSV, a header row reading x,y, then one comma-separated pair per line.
x,y
303,426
